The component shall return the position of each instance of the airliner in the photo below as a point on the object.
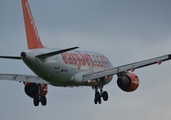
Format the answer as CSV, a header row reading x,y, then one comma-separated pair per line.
x,y
70,67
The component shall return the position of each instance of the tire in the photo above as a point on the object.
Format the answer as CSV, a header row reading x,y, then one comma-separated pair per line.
x,y
100,101
105,96
43,100
36,101
95,101
97,96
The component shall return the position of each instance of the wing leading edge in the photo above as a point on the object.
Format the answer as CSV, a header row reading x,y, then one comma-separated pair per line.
x,y
23,78
136,65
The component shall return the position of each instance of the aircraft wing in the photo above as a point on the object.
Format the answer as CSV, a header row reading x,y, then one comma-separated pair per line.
x,y
22,78
132,67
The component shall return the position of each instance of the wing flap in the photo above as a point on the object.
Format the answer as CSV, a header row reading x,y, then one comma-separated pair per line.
x,y
136,65
22,78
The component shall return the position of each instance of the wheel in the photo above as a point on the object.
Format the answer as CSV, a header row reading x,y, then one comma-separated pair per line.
x,y
95,101
43,100
97,98
97,95
100,101
36,101
105,96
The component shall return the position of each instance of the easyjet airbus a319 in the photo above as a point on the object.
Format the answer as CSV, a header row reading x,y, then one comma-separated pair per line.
x,y
70,67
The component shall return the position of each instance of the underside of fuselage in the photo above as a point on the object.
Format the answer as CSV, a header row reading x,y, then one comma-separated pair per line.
x,y
68,68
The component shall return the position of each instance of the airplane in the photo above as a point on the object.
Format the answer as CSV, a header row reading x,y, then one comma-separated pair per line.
x,y
70,67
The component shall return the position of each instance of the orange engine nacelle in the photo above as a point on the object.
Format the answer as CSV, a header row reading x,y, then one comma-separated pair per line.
x,y
32,89
128,82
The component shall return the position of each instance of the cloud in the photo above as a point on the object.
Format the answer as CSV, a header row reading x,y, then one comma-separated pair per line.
x,y
125,31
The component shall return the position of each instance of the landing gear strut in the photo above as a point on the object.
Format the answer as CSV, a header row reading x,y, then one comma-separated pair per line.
x,y
101,94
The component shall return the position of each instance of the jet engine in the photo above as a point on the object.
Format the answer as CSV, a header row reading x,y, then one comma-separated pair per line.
x,y
128,82
34,90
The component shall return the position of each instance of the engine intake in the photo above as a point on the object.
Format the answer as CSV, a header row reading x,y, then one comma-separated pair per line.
x,y
31,89
128,82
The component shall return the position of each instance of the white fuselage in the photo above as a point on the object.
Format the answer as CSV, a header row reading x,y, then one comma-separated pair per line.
x,y
66,69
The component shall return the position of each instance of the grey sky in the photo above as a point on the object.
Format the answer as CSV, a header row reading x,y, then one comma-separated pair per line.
x,y
125,31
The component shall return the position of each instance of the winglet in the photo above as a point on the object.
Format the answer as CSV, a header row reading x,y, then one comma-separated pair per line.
x,y
33,40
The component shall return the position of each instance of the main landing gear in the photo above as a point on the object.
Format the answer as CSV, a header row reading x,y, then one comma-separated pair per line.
x,y
41,99
37,92
101,94
41,96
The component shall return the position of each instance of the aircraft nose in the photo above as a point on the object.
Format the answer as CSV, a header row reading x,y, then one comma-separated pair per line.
x,y
23,55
